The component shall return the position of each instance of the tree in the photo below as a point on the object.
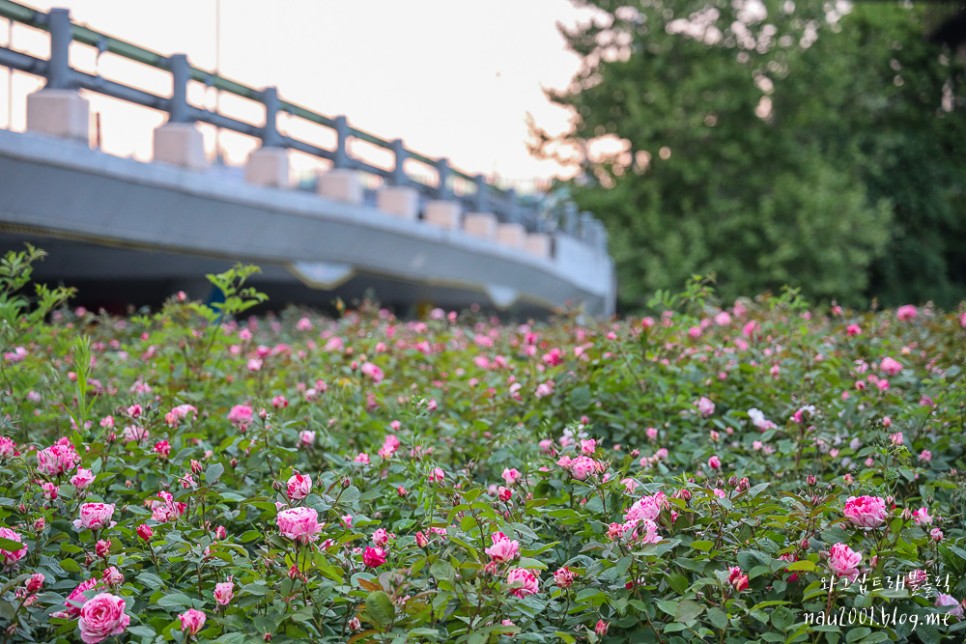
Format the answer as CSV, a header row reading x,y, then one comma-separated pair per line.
x,y
751,143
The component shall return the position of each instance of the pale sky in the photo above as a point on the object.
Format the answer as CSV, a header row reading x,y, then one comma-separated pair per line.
x,y
453,78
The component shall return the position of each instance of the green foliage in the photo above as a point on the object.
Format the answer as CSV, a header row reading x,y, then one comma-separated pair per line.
x,y
807,413
802,147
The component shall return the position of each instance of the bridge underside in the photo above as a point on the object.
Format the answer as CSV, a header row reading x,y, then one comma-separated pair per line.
x,y
127,232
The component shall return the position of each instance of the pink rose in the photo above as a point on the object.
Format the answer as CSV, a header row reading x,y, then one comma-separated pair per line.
x,y
57,459
240,416
8,447
145,532
35,582
224,592
843,561
299,524
564,577
83,479
299,486
890,366
167,509
907,312
522,582
511,475
373,557
102,616
381,537
714,463
647,507
922,516
582,467
192,621
503,548
737,579
865,511
9,556
95,516
948,601
78,597
705,406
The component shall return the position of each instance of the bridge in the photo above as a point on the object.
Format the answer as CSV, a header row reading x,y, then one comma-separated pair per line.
x,y
378,218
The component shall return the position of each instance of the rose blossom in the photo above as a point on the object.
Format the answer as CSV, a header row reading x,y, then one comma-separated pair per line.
x,y
299,486
714,463
95,516
948,601
57,459
9,556
865,511
192,621
224,592
510,475
381,537
503,548
737,578
102,616
83,479
145,532
373,557
299,524
890,366
524,582
844,561
922,517
705,406
582,467
564,577
240,416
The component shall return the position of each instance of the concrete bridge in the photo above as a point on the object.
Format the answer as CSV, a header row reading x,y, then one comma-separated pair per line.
x,y
120,228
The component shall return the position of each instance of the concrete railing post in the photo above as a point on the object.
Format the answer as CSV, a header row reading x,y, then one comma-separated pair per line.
x,y
59,74
270,136
341,158
178,141
342,183
442,174
481,200
58,109
268,165
399,199
399,177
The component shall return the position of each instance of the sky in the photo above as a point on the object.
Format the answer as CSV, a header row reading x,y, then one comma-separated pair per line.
x,y
454,78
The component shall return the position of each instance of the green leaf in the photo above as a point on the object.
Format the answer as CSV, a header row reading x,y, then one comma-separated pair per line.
x,y
10,545
678,582
380,609
718,618
442,570
804,565
69,565
175,601
703,546
782,617
527,562
214,472
687,611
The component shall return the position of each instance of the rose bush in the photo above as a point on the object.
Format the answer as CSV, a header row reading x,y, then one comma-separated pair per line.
x,y
295,478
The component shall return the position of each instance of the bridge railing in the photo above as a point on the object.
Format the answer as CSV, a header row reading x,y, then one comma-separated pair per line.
x,y
476,193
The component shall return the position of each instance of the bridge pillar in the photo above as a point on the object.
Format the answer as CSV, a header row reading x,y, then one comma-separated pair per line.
x,y
538,244
399,201
442,214
341,184
268,166
180,144
512,235
480,224
59,112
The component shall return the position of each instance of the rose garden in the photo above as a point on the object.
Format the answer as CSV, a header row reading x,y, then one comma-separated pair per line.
x,y
757,470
